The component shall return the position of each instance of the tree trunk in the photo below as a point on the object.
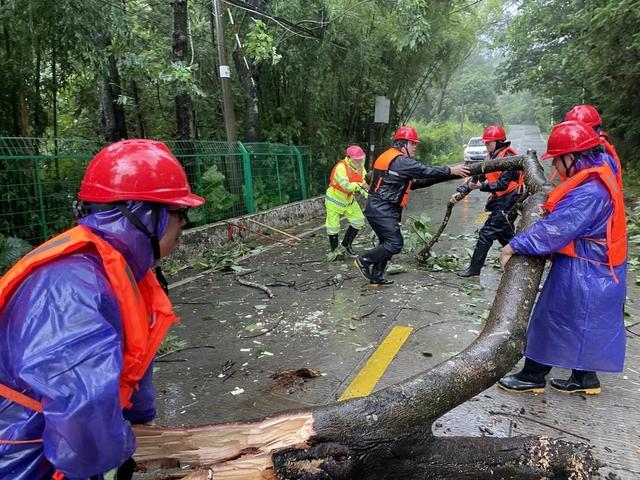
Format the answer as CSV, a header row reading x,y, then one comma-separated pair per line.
x,y
184,104
109,128
118,109
15,110
249,80
113,116
387,435
140,130
24,118
39,118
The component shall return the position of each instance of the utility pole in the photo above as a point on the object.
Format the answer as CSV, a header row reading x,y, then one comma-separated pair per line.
x,y
225,75
462,124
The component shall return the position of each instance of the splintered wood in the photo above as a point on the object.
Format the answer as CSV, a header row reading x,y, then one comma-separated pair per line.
x,y
234,451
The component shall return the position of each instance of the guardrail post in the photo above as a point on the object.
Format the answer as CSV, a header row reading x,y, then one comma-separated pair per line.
x,y
43,215
303,178
248,179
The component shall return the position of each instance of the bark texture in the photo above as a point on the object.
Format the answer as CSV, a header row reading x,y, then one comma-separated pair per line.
x,y
180,47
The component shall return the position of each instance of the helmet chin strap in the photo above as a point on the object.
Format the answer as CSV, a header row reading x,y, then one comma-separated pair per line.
x,y
568,169
155,242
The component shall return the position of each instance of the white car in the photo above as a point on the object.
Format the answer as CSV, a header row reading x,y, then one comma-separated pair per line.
x,y
474,151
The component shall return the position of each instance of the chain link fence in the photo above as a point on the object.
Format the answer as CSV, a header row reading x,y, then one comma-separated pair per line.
x,y
39,180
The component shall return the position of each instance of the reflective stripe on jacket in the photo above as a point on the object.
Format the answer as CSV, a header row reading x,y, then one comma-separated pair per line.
x,y
344,181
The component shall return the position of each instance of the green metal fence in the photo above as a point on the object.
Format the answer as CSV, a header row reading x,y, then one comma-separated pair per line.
x,y
39,179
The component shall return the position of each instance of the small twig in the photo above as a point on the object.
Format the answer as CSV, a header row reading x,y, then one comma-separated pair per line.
x,y
632,333
427,325
182,350
284,242
266,331
280,283
367,314
329,281
419,310
633,325
302,262
274,229
242,274
228,376
507,414
259,286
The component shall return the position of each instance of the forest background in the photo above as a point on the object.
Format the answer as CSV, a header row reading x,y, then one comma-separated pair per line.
x,y
307,72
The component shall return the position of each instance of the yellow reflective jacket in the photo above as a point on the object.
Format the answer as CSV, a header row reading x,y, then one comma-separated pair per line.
x,y
344,181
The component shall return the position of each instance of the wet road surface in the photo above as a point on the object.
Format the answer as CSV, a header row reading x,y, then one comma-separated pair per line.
x,y
325,317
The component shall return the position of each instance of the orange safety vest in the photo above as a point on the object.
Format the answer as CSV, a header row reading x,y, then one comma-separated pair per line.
x,y
611,150
382,164
145,309
354,177
493,177
616,239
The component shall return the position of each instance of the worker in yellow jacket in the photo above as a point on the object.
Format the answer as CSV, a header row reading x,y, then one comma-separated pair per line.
x,y
347,178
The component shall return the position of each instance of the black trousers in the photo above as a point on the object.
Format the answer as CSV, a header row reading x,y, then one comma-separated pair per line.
x,y
388,232
497,227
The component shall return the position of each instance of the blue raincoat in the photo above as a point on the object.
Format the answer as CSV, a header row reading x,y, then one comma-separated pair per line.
x,y
577,322
61,343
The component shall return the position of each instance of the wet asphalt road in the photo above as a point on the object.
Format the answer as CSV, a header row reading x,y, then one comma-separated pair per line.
x,y
325,317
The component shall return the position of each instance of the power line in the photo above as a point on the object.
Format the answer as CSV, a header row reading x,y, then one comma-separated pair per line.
x,y
283,22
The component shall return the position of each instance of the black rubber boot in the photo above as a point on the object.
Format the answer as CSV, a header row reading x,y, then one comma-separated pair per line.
x,y
364,267
348,239
333,241
126,470
377,272
477,261
580,381
529,379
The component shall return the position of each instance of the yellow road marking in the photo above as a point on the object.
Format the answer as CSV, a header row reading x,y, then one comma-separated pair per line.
x,y
366,379
482,217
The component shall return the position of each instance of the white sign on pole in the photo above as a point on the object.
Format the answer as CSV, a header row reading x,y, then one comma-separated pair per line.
x,y
225,71
381,115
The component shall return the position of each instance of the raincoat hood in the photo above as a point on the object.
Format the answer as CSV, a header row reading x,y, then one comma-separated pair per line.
x,y
125,237
586,160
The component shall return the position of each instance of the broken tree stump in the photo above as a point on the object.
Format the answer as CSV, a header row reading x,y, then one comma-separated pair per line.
x,y
388,435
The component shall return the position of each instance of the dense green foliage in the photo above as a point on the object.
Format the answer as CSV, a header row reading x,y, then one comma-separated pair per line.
x,y
317,65
585,51
11,249
442,142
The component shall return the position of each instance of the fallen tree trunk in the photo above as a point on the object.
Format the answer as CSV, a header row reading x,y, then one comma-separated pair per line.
x,y
387,435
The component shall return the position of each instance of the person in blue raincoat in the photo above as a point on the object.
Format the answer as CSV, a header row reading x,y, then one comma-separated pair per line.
x,y
577,322
62,342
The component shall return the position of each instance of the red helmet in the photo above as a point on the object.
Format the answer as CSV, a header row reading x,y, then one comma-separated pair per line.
x,y
355,152
406,133
494,132
144,170
584,113
570,137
